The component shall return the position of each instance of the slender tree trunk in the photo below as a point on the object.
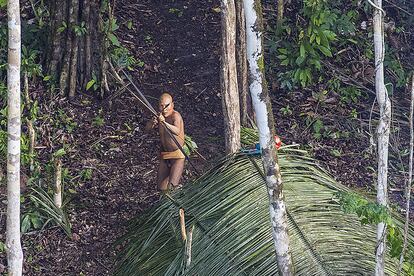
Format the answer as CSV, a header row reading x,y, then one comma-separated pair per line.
x,y
13,244
229,90
410,179
266,126
32,142
383,132
30,128
242,74
57,196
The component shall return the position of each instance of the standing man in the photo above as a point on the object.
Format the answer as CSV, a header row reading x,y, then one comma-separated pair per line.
x,y
171,158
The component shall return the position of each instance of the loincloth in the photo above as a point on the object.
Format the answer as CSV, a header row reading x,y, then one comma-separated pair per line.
x,y
177,154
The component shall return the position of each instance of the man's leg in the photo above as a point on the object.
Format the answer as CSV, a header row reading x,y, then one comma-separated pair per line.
x,y
176,172
162,178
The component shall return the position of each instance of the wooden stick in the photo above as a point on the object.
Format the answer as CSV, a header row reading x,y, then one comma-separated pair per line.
x,y
58,183
188,246
182,224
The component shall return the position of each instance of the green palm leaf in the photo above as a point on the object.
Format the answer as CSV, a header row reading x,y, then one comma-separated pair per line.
x,y
228,207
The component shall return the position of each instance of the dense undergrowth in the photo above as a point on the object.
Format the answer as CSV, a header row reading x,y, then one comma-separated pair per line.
x,y
318,33
322,55
44,111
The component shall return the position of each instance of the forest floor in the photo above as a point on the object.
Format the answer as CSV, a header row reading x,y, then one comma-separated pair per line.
x,y
179,46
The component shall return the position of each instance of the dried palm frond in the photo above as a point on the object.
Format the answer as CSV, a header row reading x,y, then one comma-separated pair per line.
x,y
229,209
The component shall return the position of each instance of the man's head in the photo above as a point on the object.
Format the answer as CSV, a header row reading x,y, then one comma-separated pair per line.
x,y
166,105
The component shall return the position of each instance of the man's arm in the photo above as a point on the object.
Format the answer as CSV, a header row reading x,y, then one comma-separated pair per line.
x,y
176,126
151,124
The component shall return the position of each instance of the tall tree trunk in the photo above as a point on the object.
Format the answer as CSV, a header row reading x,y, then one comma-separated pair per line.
x,y
409,182
266,126
71,63
13,244
383,132
229,89
242,80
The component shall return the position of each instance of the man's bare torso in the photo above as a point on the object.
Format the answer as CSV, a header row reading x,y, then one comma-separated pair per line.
x,y
167,143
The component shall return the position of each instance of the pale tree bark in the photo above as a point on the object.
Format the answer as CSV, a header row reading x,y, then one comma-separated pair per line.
x,y
57,195
383,132
13,244
229,89
410,179
188,246
266,126
242,74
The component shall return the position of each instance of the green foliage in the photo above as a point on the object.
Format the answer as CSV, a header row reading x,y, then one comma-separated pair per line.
x,y
30,62
302,45
120,56
350,94
176,11
189,145
369,212
373,213
354,113
62,28
123,58
80,30
90,84
2,247
86,174
32,221
130,24
98,121
43,211
3,3
93,83
148,39
64,121
59,153
302,48
286,111
393,63
3,91
33,111
318,128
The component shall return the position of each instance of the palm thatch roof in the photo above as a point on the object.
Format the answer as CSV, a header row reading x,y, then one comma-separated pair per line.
x,y
229,210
